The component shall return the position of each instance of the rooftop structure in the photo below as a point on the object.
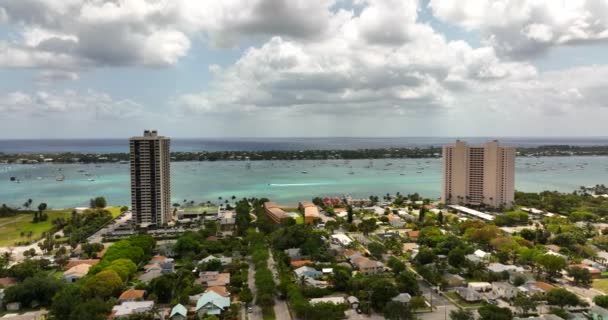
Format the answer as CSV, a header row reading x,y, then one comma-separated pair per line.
x,y
475,213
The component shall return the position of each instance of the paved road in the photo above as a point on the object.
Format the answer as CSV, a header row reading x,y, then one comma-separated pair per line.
x,y
98,236
281,311
257,311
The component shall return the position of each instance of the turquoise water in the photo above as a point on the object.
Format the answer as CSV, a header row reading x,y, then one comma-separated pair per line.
x,y
282,181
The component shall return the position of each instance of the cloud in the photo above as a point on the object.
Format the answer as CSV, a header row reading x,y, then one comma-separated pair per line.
x,y
381,61
523,28
73,105
79,34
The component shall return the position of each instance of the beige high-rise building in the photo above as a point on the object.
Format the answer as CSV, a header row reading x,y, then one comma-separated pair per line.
x,y
478,174
150,179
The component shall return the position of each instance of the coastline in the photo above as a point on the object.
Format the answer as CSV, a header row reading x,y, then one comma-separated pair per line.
x,y
283,155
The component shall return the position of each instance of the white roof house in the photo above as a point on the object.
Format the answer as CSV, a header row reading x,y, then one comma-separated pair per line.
x,y
131,307
334,300
480,253
480,286
472,212
341,238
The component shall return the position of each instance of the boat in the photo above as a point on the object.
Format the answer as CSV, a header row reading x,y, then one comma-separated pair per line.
x,y
304,172
60,178
90,179
13,179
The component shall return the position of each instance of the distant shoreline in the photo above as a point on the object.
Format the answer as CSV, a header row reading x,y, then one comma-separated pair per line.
x,y
338,154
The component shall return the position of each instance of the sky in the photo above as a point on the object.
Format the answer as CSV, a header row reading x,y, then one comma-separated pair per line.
x,y
303,68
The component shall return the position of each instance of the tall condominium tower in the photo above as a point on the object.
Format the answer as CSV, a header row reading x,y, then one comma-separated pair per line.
x,y
150,179
478,174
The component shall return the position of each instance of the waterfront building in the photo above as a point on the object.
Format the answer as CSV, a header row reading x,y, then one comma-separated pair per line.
x,y
478,174
310,211
274,212
150,179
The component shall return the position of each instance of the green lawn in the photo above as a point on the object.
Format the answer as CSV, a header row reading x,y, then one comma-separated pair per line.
x,y
11,227
601,285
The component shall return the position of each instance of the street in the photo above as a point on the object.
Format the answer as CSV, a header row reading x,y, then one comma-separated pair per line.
x,y
257,311
281,311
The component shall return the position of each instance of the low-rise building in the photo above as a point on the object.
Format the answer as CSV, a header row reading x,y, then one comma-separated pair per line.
x,y
132,295
126,309
341,239
223,260
367,266
307,271
213,278
76,273
310,211
504,290
468,294
275,213
480,286
211,303
178,312
334,300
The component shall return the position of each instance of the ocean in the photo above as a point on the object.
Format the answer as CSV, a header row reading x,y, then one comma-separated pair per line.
x,y
286,182
257,144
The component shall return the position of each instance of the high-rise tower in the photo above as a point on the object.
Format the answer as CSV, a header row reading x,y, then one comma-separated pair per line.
x,y
150,179
478,174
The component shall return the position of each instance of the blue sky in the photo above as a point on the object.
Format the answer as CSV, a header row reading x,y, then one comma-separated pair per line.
x,y
303,68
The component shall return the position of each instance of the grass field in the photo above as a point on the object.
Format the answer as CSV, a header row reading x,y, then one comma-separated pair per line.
x,y
601,285
12,227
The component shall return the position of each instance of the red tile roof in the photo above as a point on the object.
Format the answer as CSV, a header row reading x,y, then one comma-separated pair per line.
x,y
299,263
132,294
73,263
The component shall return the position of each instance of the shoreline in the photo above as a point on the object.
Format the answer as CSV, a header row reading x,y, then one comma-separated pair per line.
x,y
270,155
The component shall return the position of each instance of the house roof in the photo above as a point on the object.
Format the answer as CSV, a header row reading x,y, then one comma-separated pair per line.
x,y
78,271
158,259
8,281
543,285
179,309
132,294
73,263
221,290
334,300
213,298
413,234
132,307
299,263
409,246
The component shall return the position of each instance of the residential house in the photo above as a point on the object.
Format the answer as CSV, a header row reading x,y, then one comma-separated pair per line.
x,y
402,297
395,221
211,303
594,272
542,317
75,262
535,287
410,246
334,300
413,235
453,280
597,313
76,273
179,312
353,302
227,220
480,286
8,282
294,253
499,267
221,290
468,294
132,295
367,266
223,260
213,278
126,309
156,267
307,271
341,239
504,290
31,315
299,263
